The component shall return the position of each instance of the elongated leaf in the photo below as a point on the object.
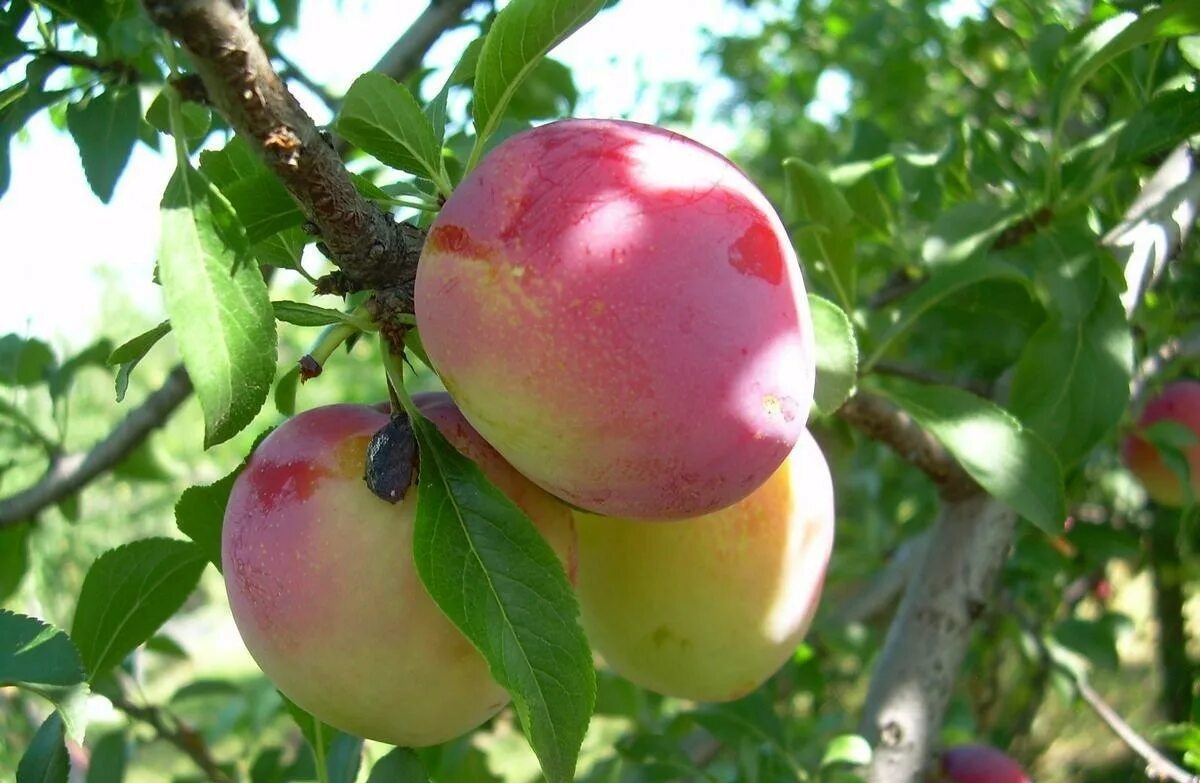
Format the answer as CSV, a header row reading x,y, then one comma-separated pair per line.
x,y
24,361
1071,384
823,230
105,128
1009,461
498,580
46,759
837,354
1159,125
219,309
940,285
303,314
14,557
127,594
400,765
128,354
962,232
110,754
35,654
262,205
200,510
520,36
41,658
382,117
1113,38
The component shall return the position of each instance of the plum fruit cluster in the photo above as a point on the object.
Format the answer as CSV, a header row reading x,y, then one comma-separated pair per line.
x,y
622,327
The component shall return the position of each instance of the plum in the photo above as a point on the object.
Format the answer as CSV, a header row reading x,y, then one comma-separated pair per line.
x,y
619,311
1178,402
980,764
324,591
708,608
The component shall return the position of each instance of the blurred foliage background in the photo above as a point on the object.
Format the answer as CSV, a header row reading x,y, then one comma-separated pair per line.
x,y
938,109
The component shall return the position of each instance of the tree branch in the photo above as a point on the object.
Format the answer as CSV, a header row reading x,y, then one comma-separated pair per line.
x,y
174,731
928,640
882,421
369,246
885,586
69,474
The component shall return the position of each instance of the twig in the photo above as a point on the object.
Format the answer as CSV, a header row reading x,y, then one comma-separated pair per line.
x,y
291,71
371,249
882,421
174,731
70,474
928,640
1158,766
123,71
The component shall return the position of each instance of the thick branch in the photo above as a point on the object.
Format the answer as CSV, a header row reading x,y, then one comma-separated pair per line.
x,y
884,422
372,249
928,640
69,474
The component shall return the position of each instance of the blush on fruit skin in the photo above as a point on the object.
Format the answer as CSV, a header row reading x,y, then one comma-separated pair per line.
x,y
324,592
1178,402
618,310
980,764
709,608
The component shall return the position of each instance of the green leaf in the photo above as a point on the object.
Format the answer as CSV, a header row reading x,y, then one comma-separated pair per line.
x,y
41,658
29,99
303,314
105,128
197,119
14,558
46,759
95,355
128,354
837,354
1168,119
235,161
36,655
345,758
964,231
522,34
127,594
283,250
24,361
822,227
1114,37
847,749
497,579
937,287
219,309
1071,384
109,756
285,392
263,205
380,116
91,14
1009,461
200,510
400,765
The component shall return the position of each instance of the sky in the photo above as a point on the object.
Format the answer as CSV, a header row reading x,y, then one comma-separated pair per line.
x,y
61,242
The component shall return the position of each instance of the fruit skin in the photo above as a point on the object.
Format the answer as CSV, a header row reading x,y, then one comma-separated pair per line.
x,y
980,764
618,310
1178,402
323,588
708,608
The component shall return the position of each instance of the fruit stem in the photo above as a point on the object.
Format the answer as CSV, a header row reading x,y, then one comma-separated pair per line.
x,y
393,366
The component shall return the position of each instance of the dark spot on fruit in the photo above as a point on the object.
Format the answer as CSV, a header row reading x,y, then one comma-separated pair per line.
x,y
756,253
391,460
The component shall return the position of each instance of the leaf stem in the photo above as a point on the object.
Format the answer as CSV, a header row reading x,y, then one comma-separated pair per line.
x,y
393,366
319,751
